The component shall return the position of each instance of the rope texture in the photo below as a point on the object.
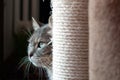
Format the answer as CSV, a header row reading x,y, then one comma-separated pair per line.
x,y
70,39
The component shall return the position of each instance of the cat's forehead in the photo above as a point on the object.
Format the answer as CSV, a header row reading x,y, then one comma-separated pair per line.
x,y
41,33
34,37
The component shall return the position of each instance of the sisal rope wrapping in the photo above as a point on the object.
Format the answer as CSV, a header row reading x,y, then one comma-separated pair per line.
x,y
104,39
70,39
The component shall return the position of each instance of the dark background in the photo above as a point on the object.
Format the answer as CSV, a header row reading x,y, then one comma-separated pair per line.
x,y
9,70
1,37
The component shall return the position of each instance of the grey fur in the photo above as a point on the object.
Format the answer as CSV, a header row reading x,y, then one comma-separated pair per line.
x,y
39,48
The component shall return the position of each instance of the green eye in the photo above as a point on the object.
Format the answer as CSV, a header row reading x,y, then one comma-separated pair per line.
x,y
40,44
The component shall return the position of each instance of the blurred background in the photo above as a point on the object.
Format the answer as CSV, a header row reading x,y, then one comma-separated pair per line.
x,y
15,22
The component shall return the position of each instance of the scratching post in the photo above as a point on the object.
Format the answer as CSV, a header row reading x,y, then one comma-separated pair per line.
x,y
70,39
104,39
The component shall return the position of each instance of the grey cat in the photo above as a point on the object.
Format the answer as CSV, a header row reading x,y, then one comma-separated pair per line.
x,y
40,47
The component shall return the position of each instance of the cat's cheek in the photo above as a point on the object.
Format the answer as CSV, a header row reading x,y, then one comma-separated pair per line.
x,y
29,52
34,61
30,49
38,49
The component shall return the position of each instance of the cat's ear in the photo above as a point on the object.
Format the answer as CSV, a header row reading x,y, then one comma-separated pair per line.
x,y
35,25
50,21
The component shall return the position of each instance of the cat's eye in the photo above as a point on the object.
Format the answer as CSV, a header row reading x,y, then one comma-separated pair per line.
x,y
40,44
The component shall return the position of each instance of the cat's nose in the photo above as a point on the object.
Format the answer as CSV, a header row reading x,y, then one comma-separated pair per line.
x,y
30,54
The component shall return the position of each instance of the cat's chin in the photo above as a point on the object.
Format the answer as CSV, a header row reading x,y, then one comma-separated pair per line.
x,y
35,61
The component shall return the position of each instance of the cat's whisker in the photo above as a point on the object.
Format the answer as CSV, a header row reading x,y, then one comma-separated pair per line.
x,y
47,60
26,72
21,65
45,63
23,62
25,57
29,35
44,71
40,70
41,62
28,69
22,59
41,74
35,69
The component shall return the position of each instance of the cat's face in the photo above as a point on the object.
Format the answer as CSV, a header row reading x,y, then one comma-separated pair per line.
x,y
39,47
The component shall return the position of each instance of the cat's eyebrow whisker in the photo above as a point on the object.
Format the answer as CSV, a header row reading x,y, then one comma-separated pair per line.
x,y
49,42
29,35
28,29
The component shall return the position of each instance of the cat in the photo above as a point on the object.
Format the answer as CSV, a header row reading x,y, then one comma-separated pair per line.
x,y
40,47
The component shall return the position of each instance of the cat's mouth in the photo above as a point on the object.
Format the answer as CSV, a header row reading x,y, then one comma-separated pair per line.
x,y
44,61
35,61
